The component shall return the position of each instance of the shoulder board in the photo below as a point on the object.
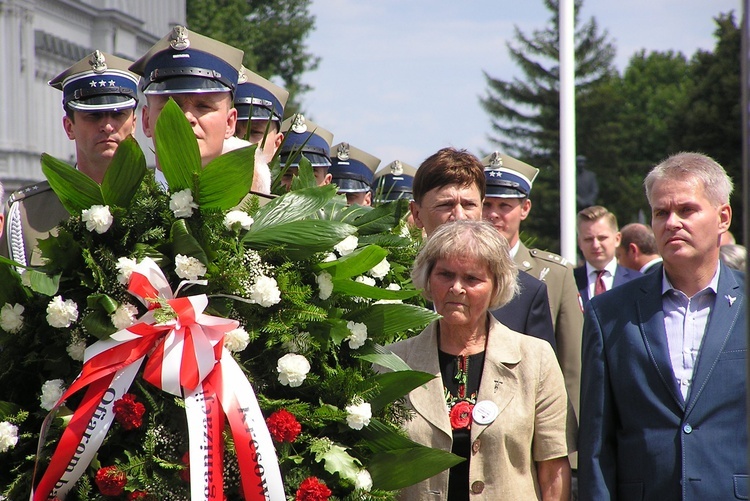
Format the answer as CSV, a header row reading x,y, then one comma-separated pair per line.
x,y
29,191
549,257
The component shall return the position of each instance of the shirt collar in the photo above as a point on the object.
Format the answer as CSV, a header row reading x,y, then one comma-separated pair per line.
x,y
667,286
611,267
514,249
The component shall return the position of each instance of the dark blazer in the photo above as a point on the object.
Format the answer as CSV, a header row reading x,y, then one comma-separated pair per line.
x,y
622,275
529,312
639,439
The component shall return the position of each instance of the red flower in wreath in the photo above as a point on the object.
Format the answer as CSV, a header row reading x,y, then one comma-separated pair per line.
x,y
461,415
185,474
110,480
312,489
128,412
138,496
283,426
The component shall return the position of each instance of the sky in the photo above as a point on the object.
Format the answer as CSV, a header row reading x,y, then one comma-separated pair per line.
x,y
402,79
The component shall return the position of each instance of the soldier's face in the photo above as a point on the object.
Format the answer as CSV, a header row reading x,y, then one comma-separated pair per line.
x,y
364,198
211,116
270,141
97,136
506,215
322,177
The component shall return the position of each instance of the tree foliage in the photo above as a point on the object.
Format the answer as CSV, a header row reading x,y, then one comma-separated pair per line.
x,y
271,32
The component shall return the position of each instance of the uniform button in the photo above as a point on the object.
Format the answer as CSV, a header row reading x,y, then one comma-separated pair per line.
x,y
687,429
475,446
477,487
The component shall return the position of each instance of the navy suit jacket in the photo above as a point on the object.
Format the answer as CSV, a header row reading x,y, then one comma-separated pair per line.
x,y
639,439
529,312
622,275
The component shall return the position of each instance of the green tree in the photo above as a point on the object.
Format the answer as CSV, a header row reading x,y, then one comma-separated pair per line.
x,y
271,32
526,113
710,118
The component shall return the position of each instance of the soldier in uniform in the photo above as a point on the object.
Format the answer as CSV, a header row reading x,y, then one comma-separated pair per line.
x,y
304,137
506,204
394,181
352,171
201,75
99,99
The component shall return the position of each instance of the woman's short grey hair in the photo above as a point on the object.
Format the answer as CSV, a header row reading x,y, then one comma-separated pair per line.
x,y
696,167
469,239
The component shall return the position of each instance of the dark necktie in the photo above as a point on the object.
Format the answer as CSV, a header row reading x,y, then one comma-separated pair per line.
x,y
599,286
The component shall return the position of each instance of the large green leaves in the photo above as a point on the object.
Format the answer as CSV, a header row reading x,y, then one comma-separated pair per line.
x,y
227,179
124,174
299,238
394,385
292,206
356,263
176,148
75,189
393,318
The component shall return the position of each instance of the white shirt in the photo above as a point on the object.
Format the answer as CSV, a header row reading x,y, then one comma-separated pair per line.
x,y
608,278
685,321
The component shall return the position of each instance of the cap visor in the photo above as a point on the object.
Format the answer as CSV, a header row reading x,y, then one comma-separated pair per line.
x,y
185,85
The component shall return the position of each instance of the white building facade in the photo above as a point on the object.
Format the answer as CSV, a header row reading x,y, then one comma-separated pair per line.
x,y
40,38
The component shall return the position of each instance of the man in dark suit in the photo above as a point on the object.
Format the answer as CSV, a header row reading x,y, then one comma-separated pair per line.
x,y
663,397
598,238
637,249
450,185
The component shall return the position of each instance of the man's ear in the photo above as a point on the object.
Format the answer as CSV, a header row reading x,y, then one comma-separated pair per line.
x,y
414,208
525,209
68,127
231,122
147,126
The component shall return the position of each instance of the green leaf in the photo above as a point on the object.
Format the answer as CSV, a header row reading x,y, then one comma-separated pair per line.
x,y
399,462
8,409
394,385
337,460
176,148
183,242
124,174
383,218
227,179
43,283
352,288
376,354
292,206
305,177
103,302
356,263
392,318
75,189
98,324
299,238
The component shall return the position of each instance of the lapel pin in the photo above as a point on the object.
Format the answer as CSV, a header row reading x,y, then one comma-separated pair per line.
x,y
497,384
731,299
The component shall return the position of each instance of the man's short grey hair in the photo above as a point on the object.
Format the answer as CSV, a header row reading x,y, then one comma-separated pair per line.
x,y
697,167
469,239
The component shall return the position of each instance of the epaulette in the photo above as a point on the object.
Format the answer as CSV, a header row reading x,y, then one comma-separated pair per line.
x,y
29,191
549,257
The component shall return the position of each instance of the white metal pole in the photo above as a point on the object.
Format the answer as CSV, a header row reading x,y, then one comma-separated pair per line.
x,y
567,132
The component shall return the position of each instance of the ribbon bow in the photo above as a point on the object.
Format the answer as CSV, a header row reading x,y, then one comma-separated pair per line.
x,y
186,358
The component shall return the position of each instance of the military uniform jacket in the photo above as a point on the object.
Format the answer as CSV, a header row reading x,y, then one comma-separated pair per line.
x,y
31,213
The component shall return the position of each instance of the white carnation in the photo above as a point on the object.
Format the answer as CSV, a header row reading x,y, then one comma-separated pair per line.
x,y
61,313
76,349
181,203
358,334
330,257
125,267
363,480
52,390
97,218
188,267
347,245
381,269
325,283
236,218
8,436
265,292
363,279
11,318
292,369
358,415
236,339
124,316
393,287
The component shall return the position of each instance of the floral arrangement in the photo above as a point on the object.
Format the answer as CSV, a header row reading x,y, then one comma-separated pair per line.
x,y
192,343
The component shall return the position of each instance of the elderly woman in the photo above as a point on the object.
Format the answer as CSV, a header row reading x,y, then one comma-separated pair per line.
x,y
498,398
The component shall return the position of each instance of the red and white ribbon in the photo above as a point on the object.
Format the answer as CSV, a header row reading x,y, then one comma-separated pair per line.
x,y
185,357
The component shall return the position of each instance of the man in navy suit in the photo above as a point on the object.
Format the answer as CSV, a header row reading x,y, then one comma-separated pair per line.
x,y
451,185
663,398
598,238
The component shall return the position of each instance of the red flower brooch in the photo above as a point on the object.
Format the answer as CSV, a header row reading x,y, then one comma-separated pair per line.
x,y
460,415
